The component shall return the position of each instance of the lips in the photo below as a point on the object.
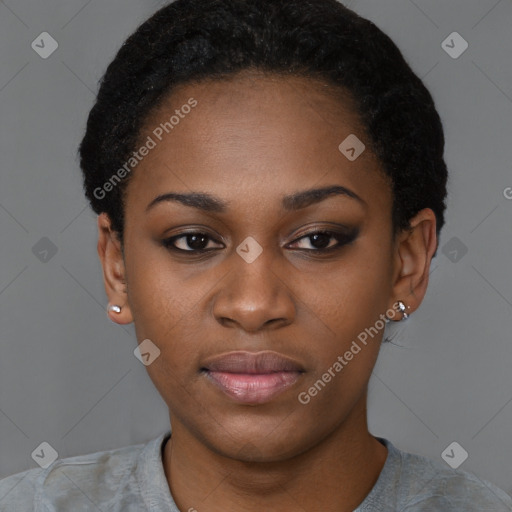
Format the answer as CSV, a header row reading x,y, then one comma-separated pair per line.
x,y
252,378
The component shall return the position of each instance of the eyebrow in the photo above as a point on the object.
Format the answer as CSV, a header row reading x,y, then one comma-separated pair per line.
x,y
293,202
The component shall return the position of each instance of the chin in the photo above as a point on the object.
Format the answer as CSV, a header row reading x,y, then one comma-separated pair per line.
x,y
258,444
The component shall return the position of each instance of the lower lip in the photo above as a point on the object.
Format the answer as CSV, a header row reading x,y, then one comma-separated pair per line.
x,y
254,388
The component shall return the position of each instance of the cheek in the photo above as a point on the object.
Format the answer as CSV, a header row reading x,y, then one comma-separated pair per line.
x,y
345,308
166,310
345,354
161,296
170,307
352,294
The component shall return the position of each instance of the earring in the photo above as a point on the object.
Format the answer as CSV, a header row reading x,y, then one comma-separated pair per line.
x,y
402,308
115,308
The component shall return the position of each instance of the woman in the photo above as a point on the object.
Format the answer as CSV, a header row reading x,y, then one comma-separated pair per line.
x,y
270,187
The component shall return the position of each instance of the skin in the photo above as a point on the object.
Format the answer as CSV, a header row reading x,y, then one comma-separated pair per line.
x,y
252,140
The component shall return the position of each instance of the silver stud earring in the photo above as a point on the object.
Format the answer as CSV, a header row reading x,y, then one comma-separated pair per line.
x,y
115,308
402,308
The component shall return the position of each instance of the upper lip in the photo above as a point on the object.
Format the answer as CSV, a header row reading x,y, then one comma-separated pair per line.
x,y
251,362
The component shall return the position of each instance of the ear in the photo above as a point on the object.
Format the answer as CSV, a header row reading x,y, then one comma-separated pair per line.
x,y
112,261
414,249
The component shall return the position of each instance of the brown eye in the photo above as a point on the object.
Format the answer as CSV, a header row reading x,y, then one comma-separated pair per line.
x,y
321,241
188,242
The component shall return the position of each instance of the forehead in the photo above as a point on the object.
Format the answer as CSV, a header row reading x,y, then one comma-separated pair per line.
x,y
253,133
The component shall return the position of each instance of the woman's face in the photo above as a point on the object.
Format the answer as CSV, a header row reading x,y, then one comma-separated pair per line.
x,y
266,284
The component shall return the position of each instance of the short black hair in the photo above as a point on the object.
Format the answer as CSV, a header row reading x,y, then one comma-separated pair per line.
x,y
190,40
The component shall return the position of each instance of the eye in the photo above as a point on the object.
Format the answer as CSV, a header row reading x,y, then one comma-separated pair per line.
x,y
321,241
194,242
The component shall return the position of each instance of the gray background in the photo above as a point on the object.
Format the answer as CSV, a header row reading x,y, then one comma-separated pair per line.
x,y
68,375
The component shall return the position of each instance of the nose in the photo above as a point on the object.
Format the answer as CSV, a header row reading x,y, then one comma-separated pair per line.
x,y
254,296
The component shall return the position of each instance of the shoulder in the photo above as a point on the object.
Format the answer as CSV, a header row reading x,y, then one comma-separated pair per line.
x,y
17,491
427,484
87,479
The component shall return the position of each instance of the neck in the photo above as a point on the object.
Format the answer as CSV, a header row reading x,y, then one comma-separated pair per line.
x,y
334,475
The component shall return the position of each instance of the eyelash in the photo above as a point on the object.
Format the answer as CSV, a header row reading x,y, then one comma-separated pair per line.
x,y
342,238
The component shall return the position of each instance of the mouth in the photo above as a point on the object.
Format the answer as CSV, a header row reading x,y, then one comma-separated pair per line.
x,y
252,378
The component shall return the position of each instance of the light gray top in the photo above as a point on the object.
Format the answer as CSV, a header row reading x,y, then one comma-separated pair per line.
x,y
132,479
